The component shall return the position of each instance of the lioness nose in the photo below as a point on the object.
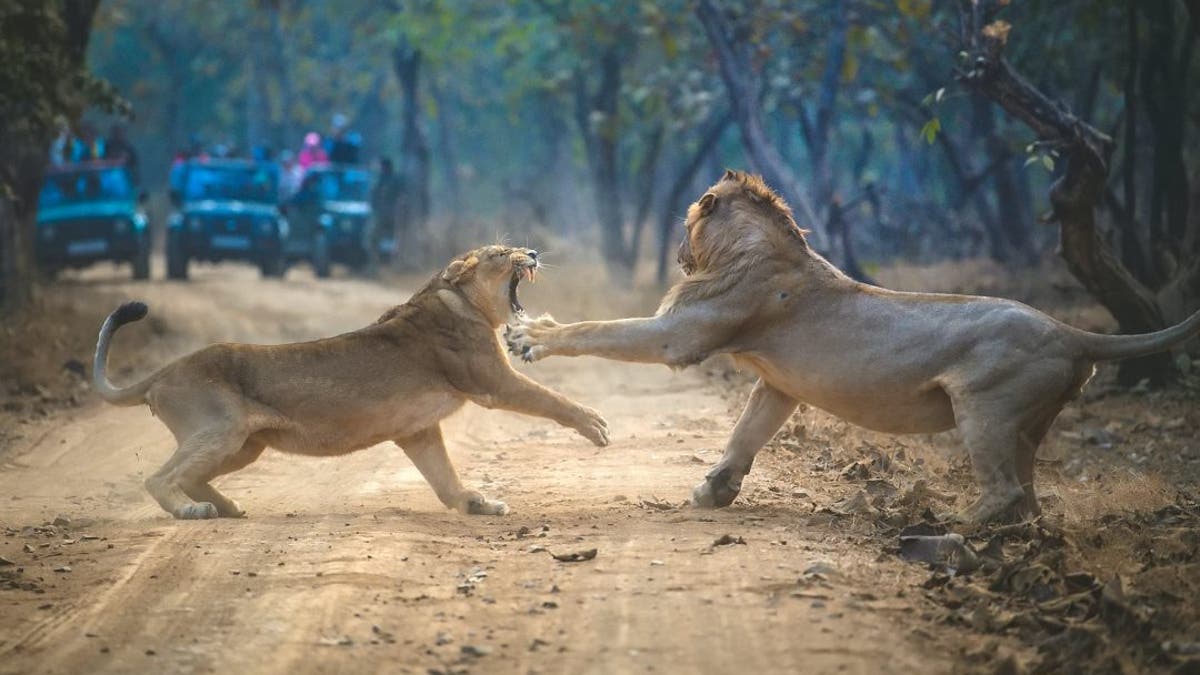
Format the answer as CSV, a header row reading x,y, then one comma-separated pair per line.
x,y
532,254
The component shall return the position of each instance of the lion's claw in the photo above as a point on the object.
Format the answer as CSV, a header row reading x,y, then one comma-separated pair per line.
x,y
526,339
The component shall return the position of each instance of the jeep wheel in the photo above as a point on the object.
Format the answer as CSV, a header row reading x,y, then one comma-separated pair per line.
x,y
141,260
272,266
320,257
177,259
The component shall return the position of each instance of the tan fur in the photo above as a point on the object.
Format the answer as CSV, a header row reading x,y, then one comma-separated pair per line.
x,y
393,380
999,371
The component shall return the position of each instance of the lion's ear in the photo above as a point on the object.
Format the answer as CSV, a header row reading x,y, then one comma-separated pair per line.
x,y
730,174
458,269
707,203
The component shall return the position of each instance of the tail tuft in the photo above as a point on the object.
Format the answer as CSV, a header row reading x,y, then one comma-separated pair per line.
x,y
130,312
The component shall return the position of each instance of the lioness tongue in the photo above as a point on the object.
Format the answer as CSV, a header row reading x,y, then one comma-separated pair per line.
x,y
512,293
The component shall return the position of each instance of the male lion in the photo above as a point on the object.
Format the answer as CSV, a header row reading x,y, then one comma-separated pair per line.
x,y
997,370
393,380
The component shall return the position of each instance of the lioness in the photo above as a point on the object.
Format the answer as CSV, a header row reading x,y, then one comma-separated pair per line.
x,y
997,370
393,380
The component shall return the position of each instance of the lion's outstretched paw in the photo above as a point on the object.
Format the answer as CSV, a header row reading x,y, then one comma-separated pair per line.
x,y
524,340
594,428
478,505
196,511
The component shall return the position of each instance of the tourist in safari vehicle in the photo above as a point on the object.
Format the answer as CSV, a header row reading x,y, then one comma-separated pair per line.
x,y
90,212
331,219
226,209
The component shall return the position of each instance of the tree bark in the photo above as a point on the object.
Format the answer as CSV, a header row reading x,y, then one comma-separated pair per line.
x,y
647,177
741,86
414,153
449,158
676,201
831,78
596,115
23,166
1076,194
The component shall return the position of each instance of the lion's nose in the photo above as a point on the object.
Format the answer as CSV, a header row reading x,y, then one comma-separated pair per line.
x,y
531,253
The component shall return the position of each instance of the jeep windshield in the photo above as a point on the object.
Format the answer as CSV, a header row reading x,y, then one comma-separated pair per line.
x,y
249,183
339,186
85,185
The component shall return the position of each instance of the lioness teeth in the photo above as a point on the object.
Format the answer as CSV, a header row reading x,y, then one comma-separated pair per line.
x,y
529,274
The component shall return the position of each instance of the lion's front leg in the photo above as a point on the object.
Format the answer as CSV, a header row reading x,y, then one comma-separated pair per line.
x,y
766,411
427,451
679,338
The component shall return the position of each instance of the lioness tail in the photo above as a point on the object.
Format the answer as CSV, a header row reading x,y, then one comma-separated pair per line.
x,y
133,395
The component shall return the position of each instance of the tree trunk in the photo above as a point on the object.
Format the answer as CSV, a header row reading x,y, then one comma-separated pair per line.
x,y
596,115
1076,194
23,166
831,77
741,85
647,177
414,155
449,158
676,201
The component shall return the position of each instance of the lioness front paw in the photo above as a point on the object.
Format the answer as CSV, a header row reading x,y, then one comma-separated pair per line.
x,y
196,511
477,505
594,427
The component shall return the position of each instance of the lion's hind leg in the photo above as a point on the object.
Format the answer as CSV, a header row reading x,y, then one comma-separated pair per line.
x,y
427,451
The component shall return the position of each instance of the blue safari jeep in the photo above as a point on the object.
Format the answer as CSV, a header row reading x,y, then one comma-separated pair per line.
x,y
90,212
330,218
226,209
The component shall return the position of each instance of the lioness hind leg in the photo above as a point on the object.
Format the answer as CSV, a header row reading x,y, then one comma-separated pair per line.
x,y
427,451
177,485
204,492
766,411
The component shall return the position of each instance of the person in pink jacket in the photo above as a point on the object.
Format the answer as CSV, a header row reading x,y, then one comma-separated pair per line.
x,y
312,153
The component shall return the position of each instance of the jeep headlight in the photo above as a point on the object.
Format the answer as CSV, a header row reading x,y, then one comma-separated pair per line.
x,y
325,220
139,222
120,226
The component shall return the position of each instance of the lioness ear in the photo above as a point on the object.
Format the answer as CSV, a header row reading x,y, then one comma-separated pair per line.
x,y
455,272
707,203
730,174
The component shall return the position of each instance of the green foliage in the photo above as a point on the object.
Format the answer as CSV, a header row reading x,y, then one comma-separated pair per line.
x,y
929,131
43,82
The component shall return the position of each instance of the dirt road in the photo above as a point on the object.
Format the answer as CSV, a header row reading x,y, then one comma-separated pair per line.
x,y
352,565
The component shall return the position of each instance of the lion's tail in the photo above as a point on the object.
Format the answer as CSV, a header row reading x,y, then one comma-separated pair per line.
x,y
132,395
1110,347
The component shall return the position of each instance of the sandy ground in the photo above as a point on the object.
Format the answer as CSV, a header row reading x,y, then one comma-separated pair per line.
x,y
352,565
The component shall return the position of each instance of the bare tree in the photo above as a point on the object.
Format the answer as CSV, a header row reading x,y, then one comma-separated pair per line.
x,y
1139,305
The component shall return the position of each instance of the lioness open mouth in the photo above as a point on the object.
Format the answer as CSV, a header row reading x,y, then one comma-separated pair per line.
x,y
528,271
